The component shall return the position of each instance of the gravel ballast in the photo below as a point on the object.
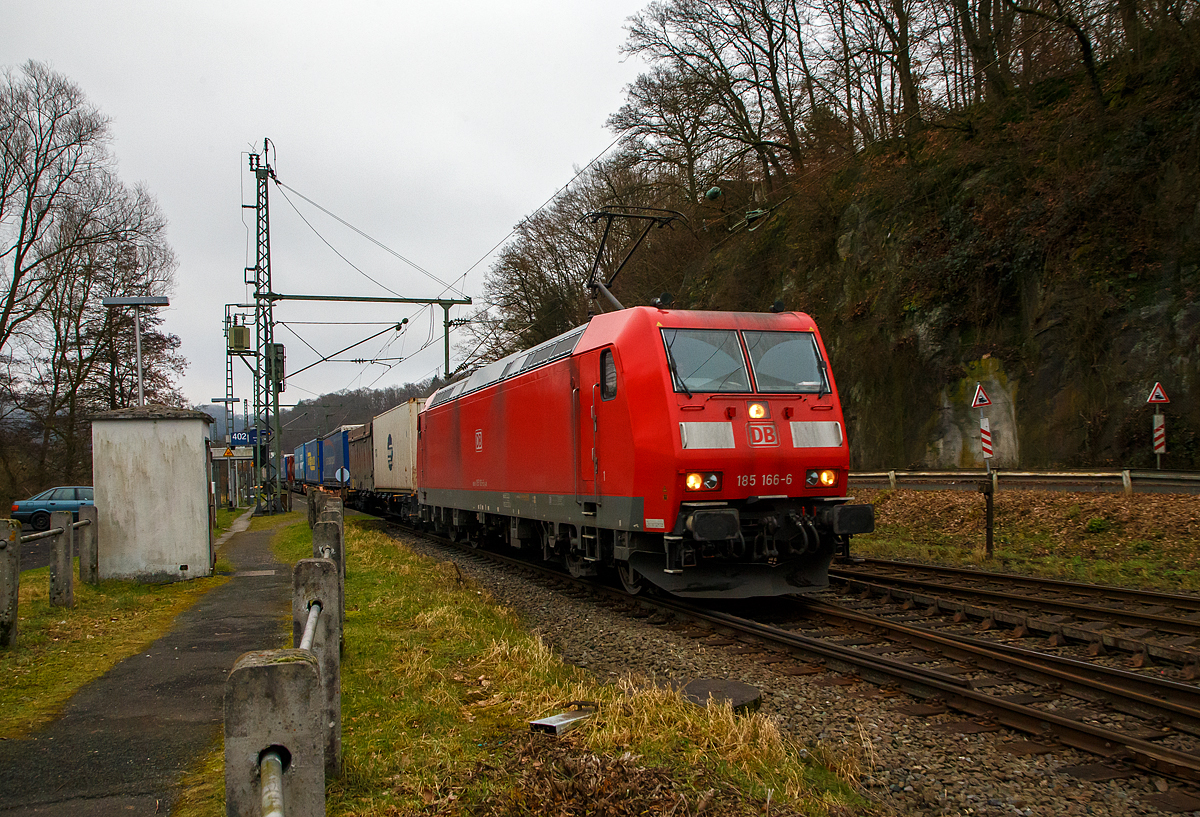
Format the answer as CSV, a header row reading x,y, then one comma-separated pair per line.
x,y
906,764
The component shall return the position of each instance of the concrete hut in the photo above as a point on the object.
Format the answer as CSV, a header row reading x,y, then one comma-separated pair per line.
x,y
151,475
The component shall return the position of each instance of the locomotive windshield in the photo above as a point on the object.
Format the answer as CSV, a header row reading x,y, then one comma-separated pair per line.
x,y
706,360
711,360
788,362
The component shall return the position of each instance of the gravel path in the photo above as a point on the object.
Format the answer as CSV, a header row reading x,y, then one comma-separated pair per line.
x,y
906,764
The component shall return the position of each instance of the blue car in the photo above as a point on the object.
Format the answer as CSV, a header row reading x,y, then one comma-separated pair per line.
x,y
36,510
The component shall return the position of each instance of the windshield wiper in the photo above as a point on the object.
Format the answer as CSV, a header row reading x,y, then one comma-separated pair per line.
x,y
675,372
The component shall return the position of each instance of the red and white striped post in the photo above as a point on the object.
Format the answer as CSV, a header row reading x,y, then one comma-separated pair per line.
x,y
1159,397
987,487
985,430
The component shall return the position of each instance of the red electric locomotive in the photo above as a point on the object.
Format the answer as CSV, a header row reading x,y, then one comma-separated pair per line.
x,y
704,452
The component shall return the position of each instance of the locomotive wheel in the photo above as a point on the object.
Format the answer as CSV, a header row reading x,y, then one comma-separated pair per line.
x,y
631,580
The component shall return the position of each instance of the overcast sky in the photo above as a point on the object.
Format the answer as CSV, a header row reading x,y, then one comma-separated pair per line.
x,y
434,128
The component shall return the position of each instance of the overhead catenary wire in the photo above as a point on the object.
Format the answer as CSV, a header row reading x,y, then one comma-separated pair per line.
x,y
367,236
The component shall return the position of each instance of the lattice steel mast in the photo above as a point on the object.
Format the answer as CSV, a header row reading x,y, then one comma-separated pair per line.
x,y
268,367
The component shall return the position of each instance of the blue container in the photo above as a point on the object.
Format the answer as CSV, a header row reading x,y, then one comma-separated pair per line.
x,y
312,462
336,450
297,472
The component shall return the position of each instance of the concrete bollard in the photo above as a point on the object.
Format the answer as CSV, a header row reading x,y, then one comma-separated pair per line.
x,y
316,580
62,568
327,535
273,700
86,542
10,579
334,505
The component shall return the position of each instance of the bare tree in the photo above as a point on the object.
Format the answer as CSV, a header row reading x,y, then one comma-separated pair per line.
x,y
741,53
70,234
669,121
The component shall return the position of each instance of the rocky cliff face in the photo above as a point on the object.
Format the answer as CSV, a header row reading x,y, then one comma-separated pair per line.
x,y
1053,257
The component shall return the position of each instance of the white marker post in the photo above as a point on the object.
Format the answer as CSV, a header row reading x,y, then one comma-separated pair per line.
x,y
1159,397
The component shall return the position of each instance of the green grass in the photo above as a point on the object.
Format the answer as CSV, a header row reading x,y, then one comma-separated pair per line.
x,y
225,519
438,686
59,650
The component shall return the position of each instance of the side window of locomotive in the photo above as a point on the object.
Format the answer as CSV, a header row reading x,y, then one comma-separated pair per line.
x,y
706,360
608,375
786,362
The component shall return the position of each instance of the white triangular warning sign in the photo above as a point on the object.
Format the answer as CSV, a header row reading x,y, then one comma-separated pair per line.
x,y
1157,395
981,398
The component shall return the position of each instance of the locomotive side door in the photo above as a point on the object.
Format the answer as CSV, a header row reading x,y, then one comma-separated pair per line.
x,y
586,394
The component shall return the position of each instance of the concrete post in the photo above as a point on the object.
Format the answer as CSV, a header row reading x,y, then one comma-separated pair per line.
x,y
10,579
316,580
311,497
334,510
273,700
86,541
328,535
62,568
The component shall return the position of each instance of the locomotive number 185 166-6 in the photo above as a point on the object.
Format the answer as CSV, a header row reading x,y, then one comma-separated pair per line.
x,y
766,480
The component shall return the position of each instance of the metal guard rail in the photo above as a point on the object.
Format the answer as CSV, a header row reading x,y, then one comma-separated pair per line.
x,y
1125,477
46,534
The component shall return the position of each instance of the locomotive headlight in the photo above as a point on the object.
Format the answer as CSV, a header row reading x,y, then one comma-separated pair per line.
x,y
826,478
758,411
703,481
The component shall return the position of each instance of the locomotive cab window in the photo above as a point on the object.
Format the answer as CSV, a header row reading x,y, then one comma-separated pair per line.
x,y
787,362
608,375
706,360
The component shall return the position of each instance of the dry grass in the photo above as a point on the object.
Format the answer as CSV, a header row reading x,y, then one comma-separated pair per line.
x,y
1144,540
439,683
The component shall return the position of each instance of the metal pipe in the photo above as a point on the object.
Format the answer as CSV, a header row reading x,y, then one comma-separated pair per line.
x,y
137,312
82,523
46,534
270,781
310,626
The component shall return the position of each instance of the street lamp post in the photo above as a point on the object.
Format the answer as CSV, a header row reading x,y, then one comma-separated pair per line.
x,y
137,302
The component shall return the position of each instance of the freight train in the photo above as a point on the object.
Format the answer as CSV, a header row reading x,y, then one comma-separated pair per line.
x,y
703,453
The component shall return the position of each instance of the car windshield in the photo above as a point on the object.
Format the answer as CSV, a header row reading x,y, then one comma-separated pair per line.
x,y
787,362
706,360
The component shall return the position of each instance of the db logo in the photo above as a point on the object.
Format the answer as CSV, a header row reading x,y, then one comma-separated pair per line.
x,y
479,439
762,435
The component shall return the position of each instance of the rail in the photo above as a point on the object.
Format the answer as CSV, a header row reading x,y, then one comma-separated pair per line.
x,y
1128,480
283,711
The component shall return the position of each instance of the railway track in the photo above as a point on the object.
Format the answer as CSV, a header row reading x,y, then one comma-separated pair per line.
x,y
1125,717
1149,628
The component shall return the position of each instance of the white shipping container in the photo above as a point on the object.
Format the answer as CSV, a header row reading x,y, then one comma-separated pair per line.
x,y
395,444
